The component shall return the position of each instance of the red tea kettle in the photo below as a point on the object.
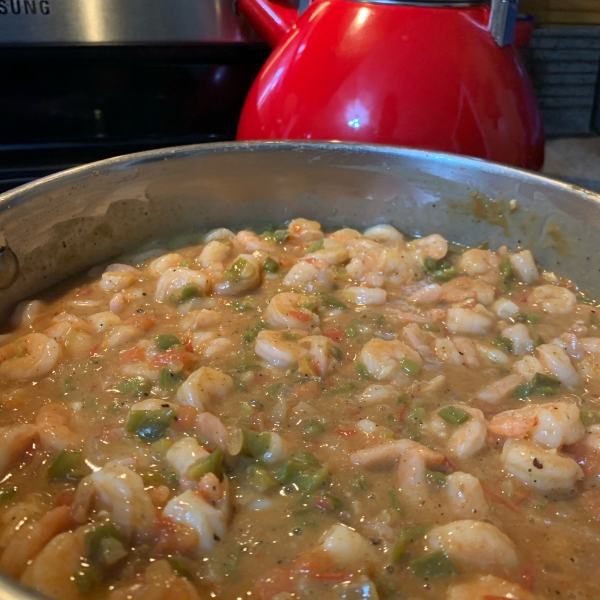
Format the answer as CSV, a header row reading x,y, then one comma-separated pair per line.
x,y
434,75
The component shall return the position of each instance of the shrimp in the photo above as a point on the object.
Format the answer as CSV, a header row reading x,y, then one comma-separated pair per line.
x,y
519,336
203,386
117,278
55,434
378,394
209,520
29,358
434,246
460,351
200,319
169,261
289,310
213,252
554,299
242,276
463,288
120,491
558,364
527,367
524,266
570,343
426,294
397,267
417,339
278,351
208,345
475,545
26,313
219,234
383,456
486,588
383,359
539,467
446,351
482,264
359,272
468,320
14,441
504,308
248,241
184,453
412,460
346,236
465,496
491,354
587,451
159,582
347,548
493,393
590,365
171,283
123,334
303,231
103,321
553,425
310,276
384,234
52,570
211,428
31,538
332,253
467,350
360,294
117,303
414,463
463,440
319,349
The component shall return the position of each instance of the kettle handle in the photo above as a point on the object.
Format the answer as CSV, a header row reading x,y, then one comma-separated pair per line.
x,y
503,21
271,19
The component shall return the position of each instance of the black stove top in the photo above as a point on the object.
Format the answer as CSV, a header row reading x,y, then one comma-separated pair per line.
x,y
65,106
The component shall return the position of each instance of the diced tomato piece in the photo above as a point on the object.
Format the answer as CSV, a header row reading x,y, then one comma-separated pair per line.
x,y
165,358
186,417
301,316
273,582
346,432
335,334
95,350
187,342
448,466
65,498
141,321
174,538
529,576
403,411
287,262
313,561
133,355
324,502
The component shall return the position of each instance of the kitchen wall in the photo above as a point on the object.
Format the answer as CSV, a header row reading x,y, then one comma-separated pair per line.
x,y
563,61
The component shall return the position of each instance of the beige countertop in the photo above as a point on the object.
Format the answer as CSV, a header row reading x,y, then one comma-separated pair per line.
x,y
576,160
